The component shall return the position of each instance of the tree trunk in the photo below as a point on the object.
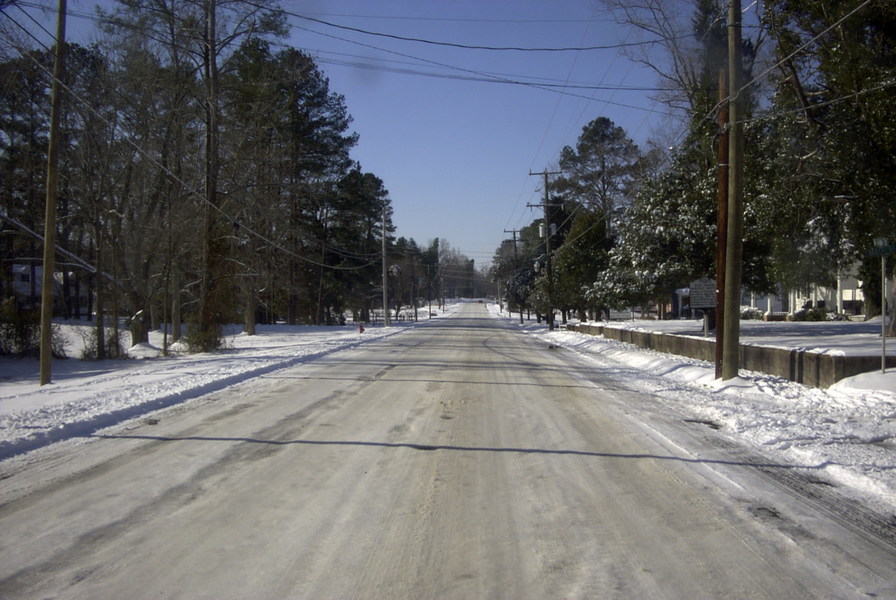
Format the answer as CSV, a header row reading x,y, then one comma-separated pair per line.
x,y
251,310
211,283
100,304
77,311
139,328
155,316
175,306
67,294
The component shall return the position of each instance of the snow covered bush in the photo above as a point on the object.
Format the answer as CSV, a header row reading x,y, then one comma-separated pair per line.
x,y
20,332
112,344
751,313
811,314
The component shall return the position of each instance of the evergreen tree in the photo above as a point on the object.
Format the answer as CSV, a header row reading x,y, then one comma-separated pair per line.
x,y
831,131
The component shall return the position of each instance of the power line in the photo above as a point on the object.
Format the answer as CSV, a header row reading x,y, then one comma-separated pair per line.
x,y
493,78
473,75
490,78
459,45
454,19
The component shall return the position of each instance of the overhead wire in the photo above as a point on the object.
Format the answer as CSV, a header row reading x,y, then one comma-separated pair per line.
x,y
494,78
484,77
488,77
480,77
581,114
474,75
467,46
540,21
546,130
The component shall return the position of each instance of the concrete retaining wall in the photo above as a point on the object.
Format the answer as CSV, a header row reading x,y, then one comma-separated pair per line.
x,y
811,368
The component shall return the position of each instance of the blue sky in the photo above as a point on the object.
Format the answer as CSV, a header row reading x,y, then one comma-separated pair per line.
x,y
455,152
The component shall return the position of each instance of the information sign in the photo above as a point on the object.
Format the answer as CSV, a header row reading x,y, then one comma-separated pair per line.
x,y
703,293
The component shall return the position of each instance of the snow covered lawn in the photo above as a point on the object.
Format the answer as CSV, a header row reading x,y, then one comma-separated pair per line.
x,y
848,432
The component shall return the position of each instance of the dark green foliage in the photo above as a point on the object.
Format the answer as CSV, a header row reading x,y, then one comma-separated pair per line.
x,y
280,225
599,172
199,340
830,135
581,260
811,314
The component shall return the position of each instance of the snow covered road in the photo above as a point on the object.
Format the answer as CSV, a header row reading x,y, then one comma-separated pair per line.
x,y
460,459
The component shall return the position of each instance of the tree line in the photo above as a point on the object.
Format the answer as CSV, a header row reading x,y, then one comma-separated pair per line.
x,y
632,225
205,178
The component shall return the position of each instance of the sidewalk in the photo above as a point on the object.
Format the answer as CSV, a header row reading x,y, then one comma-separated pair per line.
x,y
813,353
850,337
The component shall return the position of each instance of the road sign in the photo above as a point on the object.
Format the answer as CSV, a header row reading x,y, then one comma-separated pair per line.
x,y
882,251
703,293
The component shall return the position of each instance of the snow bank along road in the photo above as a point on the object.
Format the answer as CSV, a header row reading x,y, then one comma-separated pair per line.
x,y
461,459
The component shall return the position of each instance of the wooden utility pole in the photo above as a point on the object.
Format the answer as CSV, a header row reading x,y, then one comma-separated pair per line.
x,y
547,246
386,321
210,284
722,220
733,258
516,261
514,232
46,300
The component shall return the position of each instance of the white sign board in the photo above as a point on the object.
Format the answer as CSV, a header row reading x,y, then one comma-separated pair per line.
x,y
703,293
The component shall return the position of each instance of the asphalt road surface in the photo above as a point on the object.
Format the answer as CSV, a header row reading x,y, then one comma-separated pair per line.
x,y
461,459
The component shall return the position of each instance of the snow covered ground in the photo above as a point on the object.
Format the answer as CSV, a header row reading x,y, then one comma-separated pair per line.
x,y
847,433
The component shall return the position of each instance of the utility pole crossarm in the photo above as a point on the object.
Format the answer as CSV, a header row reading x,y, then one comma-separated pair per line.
x,y
515,255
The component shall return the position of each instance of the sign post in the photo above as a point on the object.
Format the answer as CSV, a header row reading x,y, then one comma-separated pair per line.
x,y
703,296
881,248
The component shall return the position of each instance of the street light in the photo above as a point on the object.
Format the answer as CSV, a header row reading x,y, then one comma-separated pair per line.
x,y
882,245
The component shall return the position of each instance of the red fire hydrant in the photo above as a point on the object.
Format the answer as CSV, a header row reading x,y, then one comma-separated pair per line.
x,y
361,328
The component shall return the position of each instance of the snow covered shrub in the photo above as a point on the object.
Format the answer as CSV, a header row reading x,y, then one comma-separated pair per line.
x,y
112,344
811,314
751,313
203,341
20,332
